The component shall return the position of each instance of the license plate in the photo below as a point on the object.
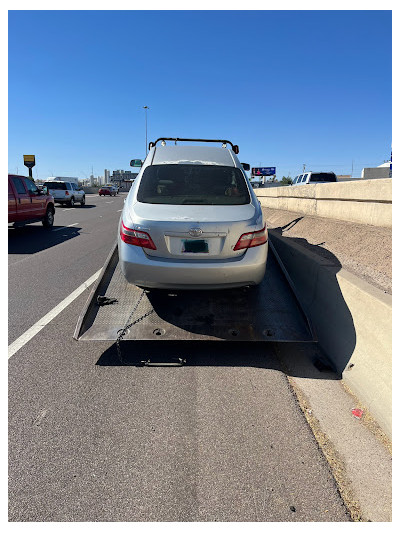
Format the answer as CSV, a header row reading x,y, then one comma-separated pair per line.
x,y
195,247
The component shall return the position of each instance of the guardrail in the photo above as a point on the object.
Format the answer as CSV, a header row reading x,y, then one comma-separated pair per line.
x,y
364,201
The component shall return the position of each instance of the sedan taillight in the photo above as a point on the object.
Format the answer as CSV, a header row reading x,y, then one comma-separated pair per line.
x,y
249,240
136,237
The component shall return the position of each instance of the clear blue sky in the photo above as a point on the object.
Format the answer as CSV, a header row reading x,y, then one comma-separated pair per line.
x,y
289,87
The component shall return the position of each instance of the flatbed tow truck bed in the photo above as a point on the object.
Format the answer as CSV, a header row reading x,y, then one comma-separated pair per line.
x,y
268,312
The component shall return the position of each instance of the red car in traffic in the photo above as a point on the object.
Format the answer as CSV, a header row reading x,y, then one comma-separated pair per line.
x,y
107,190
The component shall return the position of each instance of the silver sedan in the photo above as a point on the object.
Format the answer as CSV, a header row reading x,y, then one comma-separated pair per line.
x,y
192,221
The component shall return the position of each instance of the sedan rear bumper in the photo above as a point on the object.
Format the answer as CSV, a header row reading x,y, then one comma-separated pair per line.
x,y
150,272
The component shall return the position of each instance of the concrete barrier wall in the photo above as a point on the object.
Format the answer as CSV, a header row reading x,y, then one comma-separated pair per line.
x,y
95,190
352,320
364,202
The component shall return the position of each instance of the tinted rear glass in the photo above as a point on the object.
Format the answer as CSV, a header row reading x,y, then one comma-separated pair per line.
x,y
55,185
193,184
322,176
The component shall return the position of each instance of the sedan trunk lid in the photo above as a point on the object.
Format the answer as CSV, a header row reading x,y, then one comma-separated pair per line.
x,y
193,232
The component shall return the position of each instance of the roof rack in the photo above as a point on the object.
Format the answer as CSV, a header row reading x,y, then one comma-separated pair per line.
x,y
235,147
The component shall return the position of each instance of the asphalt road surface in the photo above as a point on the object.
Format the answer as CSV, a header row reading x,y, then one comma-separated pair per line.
x,y
92,440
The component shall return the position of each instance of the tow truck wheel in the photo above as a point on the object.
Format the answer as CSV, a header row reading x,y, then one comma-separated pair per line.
x,y
48,220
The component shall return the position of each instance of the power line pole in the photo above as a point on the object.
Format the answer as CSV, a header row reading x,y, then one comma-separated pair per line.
x,y
145,107
304,167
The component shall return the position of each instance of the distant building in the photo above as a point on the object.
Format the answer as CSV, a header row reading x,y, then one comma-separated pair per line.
x,y
382,171
106,175
123,177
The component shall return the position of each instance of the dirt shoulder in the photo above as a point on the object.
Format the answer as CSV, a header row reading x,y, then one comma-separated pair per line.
x,y
366,251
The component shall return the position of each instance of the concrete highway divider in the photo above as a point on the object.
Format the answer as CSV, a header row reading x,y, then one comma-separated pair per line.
x,y
361,201
352,320
91,190
95,190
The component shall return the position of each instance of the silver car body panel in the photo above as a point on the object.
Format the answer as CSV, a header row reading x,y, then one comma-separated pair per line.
x,y
144,271
219,226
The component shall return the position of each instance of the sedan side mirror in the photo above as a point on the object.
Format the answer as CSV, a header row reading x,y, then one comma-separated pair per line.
x,y
246,166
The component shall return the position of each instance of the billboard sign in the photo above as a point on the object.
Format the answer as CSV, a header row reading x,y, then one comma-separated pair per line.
x,y
263,171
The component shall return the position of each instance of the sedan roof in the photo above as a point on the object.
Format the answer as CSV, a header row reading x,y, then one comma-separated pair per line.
x,y
193,155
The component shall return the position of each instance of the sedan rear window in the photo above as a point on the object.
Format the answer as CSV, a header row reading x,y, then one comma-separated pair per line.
x,y
179,184
322,176
55,185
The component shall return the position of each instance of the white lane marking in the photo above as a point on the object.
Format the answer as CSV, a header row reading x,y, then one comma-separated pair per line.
x,y
74,224
110,202
40,324
119,210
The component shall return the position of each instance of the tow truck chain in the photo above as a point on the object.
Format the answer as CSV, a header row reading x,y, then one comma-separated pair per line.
x,y
125,330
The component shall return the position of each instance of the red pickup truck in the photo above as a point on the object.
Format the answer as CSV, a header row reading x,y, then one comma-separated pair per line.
x,y
27,204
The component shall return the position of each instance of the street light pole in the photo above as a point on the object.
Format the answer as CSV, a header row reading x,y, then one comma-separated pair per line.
x,y
145,107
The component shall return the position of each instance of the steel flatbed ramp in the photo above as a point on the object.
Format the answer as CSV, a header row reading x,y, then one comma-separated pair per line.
x,y
269,312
